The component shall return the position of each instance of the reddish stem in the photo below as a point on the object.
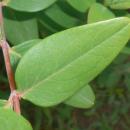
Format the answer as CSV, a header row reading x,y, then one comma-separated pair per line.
x,y
15,99
5,49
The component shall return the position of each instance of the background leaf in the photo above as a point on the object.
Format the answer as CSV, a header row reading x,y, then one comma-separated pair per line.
x,y
17,52
66,61
118,4
11,121
30,5
98,12
22,48
19,26
83,99
60,17
81,5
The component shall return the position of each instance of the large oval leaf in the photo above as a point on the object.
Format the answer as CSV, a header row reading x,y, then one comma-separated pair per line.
x,y
19,26
63,63
81,5
118,4
82,99
11,121
99,12
30,5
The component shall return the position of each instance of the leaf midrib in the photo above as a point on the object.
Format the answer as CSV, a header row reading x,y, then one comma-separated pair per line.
x,y
64,67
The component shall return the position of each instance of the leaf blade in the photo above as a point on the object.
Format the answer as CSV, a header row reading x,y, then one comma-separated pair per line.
x,y
30,5
57,77
98,12
118,4
11,121
83,99
20,24
81,6
17,52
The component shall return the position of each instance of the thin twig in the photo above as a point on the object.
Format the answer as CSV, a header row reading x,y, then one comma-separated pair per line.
x,y
10,74
14,97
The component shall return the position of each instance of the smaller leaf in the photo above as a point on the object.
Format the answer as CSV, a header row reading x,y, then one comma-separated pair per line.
x,y
81,5
30,5
14,59
60,17
98,12
44,25
47,23
83,99
118,4
11,121
18,51
19,26
25,46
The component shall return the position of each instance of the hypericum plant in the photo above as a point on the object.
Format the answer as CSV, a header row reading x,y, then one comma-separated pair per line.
x,y
59,68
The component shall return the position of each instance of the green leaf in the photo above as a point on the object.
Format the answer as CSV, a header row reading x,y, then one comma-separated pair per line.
x,y
16,52
99,12
47,23
2,102
63,63
60,17
19,26
118,4
14,59
83,99
11,121
30,5
81,5
22,48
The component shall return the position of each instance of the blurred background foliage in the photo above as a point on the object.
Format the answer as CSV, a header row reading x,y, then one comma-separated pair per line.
x,y
112,87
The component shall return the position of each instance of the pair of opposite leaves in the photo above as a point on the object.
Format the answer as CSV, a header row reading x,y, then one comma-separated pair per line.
x,y
62,64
